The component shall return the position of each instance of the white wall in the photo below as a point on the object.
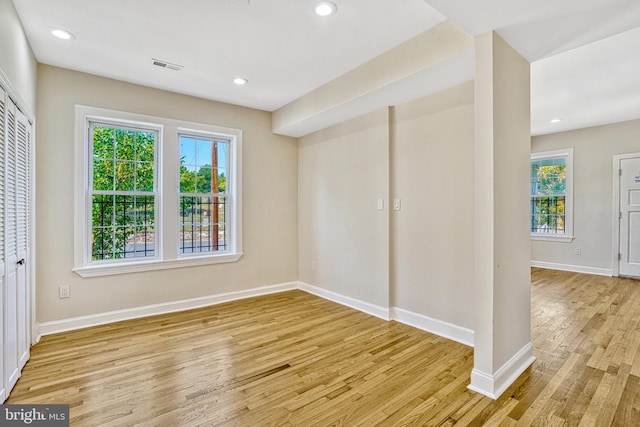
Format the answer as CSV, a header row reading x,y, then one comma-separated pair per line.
x,y
432,234
594,149
343,170
269,200
16,58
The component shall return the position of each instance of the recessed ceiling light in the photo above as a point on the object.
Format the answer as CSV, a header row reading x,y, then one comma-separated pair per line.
x,y
556,120
325,8
240,81
62,34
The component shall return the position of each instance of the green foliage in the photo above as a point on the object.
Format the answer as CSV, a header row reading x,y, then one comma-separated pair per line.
x,y
200,181
222,183
551,179
123,160
187,179
204,179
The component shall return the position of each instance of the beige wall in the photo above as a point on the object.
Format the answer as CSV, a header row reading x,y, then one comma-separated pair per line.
x,y
16,58
269,200
432,234
418,259
594,149
343,170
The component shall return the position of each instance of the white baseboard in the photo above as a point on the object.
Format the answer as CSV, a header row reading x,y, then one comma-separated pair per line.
x,y
47,328
494,385
374,310
416,320
434,326
573,268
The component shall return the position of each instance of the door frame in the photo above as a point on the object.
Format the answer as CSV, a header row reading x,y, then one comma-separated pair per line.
x,y
617,160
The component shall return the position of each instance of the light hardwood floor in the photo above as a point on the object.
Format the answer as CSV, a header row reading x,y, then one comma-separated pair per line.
x,y
293,359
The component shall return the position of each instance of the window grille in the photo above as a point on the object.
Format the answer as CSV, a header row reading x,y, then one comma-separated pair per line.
x,y
123,199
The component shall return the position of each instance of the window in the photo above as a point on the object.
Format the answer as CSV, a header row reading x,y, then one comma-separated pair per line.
x,y
130,219
203,200
122,191
551,195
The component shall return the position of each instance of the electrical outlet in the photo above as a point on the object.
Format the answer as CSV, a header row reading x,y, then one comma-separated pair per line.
x,y
314,265
578,251
64,291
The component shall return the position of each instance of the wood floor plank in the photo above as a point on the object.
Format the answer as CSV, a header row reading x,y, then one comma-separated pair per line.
x,y
293,359
538,406
628,410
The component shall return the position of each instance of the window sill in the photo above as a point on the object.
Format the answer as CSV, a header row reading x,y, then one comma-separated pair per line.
x,y
138,267
552,238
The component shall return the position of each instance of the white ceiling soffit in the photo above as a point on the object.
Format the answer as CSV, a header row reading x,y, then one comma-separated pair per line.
x,y
280,46
434,60
541,28
448,73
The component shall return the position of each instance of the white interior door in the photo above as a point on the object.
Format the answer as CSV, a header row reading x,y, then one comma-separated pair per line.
x,y
629,264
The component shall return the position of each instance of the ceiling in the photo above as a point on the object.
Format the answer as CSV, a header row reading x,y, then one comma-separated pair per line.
x,y
585,54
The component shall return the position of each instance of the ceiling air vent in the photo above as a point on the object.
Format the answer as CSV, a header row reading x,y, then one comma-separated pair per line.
x,y
164,64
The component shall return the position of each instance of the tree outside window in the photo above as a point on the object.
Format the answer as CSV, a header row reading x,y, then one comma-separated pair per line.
x,y
122,192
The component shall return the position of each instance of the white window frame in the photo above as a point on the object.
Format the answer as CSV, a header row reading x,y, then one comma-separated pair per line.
x,y
567,236
232,166
166,215
125,124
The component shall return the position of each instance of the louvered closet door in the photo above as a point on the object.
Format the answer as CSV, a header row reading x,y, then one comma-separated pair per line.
x,y
16,248
23,135
11,365
3,130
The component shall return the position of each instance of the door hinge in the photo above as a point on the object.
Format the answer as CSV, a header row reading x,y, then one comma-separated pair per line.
x,y
620,172
619,257
619,215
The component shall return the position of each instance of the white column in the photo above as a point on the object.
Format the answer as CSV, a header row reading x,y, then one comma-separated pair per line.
x,y
502,337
